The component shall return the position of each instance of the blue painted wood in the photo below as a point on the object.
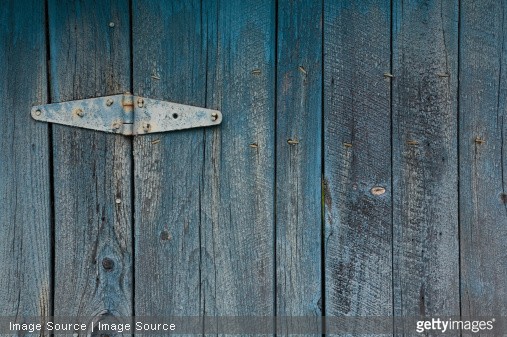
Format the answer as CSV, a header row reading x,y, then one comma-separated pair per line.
x,y
169,54
482,156
25,211
204,198
212,236
237,234
357,158
89,45
425,177
299,159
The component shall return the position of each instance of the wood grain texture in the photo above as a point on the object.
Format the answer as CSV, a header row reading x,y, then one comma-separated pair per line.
x,y
357,158
25,211
238,196
425,179
482,156
217,231
299,159
92,170
169,64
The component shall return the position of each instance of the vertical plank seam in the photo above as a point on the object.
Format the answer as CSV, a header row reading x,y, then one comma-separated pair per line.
x,y
322,176
499,93
458,160
50,164
275,166
202,311
132,165
391,131
202,297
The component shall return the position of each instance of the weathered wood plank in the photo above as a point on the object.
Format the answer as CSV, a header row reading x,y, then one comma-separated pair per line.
x,y
90,56
25,211
482,158
170,64
238,196
299,159
425,180
357,159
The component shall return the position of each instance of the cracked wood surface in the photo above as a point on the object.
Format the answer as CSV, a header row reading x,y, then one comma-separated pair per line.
x,y
25,211
483,213
299,159
169,167
92,170
357,159
425,159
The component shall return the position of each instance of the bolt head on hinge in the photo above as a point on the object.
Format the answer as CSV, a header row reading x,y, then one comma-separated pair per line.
x,y
79,112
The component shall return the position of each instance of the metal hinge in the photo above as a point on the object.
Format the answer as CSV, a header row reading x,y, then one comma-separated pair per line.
x,y
126,114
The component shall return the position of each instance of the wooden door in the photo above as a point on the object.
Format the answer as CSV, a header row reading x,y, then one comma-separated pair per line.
x,y
358,170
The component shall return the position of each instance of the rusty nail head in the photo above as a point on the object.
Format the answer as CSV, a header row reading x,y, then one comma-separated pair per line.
x,y
80,112
146,127
479,140
109,102
140,102
165,235
214,116
38,112
107,263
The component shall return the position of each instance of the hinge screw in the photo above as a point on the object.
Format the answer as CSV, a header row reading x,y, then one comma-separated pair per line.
x,y
146,127
116,125
140,102
214,116
109,102
38,112
80,112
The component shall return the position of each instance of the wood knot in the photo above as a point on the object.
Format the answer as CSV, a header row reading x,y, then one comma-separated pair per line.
x,y
107,263
377,190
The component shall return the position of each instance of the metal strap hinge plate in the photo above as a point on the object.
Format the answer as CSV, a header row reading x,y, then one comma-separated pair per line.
x,y
126,114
